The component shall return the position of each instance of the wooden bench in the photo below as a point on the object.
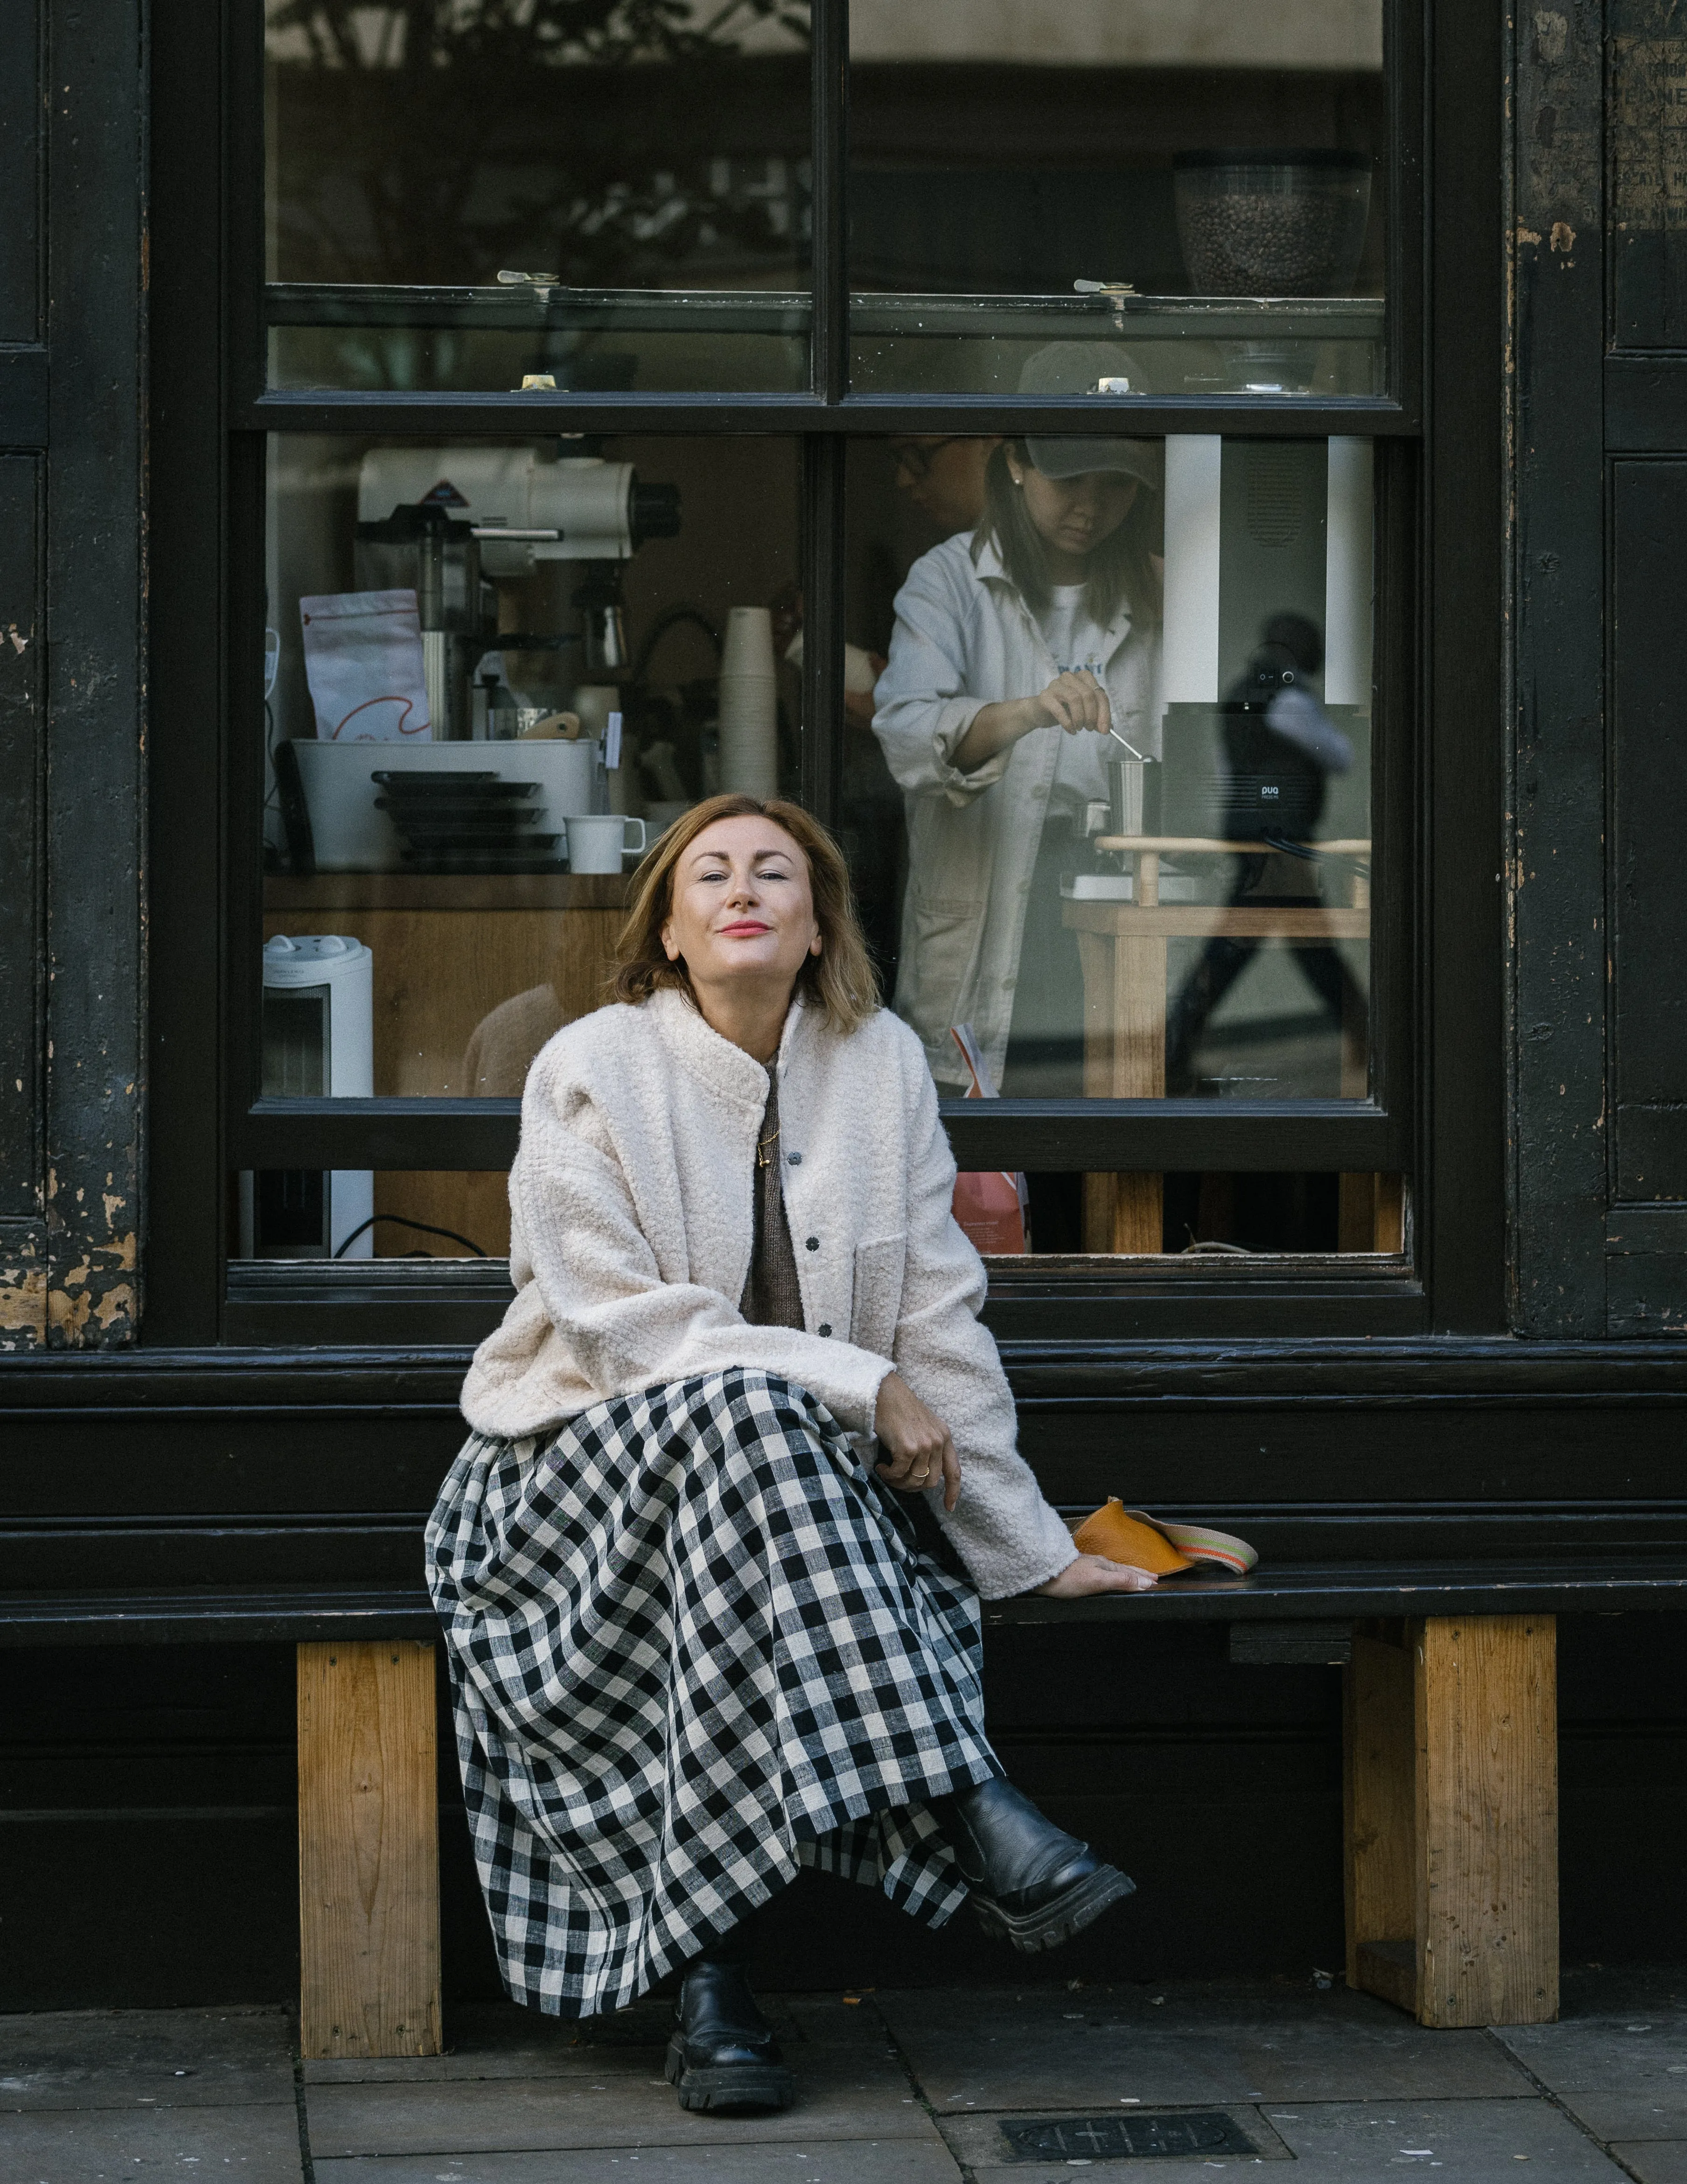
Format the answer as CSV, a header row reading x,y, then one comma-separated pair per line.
x,y
1450,1765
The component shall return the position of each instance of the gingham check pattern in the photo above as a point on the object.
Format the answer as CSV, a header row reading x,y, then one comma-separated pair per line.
x,y
691,1646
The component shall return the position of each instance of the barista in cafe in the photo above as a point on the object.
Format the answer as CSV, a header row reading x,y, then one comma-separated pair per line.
x,y
1016,649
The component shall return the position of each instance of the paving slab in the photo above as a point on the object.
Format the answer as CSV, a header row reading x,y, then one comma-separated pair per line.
x,y
1617,2058
856,2090
1612,2117
502,2040
1621,2053
119,2058
1498,2142
978,2141
146,2146
1662,2161
830,2161
991,2048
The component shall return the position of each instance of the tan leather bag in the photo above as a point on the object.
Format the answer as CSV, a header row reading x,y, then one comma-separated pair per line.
x,y
1127,1536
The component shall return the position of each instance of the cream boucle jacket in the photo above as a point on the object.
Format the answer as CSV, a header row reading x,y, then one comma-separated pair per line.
x,y
631,1228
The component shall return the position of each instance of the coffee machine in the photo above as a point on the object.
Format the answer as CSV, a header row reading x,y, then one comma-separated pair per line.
x,y
457,523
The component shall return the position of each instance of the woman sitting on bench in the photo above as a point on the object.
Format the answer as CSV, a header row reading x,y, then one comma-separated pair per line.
x,y
694,1642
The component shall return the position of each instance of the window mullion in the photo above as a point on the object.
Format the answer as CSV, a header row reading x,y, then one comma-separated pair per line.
x,y
829,353
823,469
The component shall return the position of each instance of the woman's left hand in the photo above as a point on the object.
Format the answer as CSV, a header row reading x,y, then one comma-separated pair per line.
x,y
1086,1574
919,1446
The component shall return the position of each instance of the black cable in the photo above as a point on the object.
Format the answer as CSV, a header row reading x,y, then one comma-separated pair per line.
x,y
272,798
426,1227
671,618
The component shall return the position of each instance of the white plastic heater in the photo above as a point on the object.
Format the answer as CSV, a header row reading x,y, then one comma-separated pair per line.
x,y
318,1041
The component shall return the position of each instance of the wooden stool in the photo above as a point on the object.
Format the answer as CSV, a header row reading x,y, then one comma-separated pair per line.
x,y
367,1849
1452,1817
1123,951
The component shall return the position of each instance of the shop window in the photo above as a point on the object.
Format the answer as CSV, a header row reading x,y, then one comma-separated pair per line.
x,y
809,399
1147,872
1202,191
594,198
494,675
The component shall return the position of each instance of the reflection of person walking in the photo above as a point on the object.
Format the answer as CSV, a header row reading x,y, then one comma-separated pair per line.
x,y
1273,723
1015,651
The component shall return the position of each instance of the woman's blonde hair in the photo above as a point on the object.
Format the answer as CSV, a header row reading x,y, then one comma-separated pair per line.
x,y
840,980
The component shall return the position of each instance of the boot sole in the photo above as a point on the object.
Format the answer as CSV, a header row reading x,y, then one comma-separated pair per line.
x,y
1057,1921
731,2085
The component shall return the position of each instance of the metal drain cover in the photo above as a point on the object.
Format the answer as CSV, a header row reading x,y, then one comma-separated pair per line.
x,y
1127,2137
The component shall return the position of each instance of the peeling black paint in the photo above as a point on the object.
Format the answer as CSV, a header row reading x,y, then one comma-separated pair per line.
x,y
94,680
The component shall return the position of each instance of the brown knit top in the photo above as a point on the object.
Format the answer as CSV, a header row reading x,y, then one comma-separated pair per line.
x,y
772,1298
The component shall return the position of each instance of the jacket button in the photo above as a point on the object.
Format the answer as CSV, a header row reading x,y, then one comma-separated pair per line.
x,y
795,1159
812,1245
826,1327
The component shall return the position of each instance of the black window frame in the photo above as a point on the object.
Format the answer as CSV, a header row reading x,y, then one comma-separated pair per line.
x,y
1434,1111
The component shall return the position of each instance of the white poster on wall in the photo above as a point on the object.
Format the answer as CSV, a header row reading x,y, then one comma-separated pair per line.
x,y
362,660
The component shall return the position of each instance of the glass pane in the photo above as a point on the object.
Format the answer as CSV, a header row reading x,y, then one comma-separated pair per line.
x,y
606,197
1150,196
399,1213
1107,782
1216,1217
491,673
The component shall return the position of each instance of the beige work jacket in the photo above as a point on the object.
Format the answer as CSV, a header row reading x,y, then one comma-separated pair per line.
x,y
964,640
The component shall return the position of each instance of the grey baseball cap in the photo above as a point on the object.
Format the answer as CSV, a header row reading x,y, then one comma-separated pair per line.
x,y
1101,368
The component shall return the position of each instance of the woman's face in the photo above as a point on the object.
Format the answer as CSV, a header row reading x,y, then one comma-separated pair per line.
x,y
1074,514
743,907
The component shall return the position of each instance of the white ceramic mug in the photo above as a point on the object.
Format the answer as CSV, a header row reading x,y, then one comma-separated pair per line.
x,y
596,844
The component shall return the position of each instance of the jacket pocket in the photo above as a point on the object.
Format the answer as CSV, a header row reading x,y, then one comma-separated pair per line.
x,y
940,950
876,1305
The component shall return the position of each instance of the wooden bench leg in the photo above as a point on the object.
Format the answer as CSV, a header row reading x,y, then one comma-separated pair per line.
x,y
1451,1817
368,1850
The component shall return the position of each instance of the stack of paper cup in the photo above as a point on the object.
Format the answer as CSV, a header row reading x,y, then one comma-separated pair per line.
x,y
750,705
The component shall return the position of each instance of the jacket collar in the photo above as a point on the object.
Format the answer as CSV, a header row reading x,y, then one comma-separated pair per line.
x,y
727,1069
987,565
988,569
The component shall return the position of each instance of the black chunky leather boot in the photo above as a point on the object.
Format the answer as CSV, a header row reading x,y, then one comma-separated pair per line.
x,y
723,2054
1031,1882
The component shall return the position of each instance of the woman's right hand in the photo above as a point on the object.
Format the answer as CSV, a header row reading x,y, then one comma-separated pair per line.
x,y
920,1447
1074,701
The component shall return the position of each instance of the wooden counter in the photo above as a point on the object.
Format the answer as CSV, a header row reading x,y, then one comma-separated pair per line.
x,y
491,891
473,972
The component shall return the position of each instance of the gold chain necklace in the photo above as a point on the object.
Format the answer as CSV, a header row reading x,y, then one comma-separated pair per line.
x,y
762,1157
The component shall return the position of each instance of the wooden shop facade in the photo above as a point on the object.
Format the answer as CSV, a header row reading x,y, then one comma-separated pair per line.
x,y
439,445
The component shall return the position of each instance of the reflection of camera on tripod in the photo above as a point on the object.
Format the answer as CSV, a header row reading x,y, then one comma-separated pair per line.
x,y
1280,749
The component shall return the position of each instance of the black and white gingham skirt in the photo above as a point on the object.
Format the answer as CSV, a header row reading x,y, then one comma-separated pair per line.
x,y
692,1646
